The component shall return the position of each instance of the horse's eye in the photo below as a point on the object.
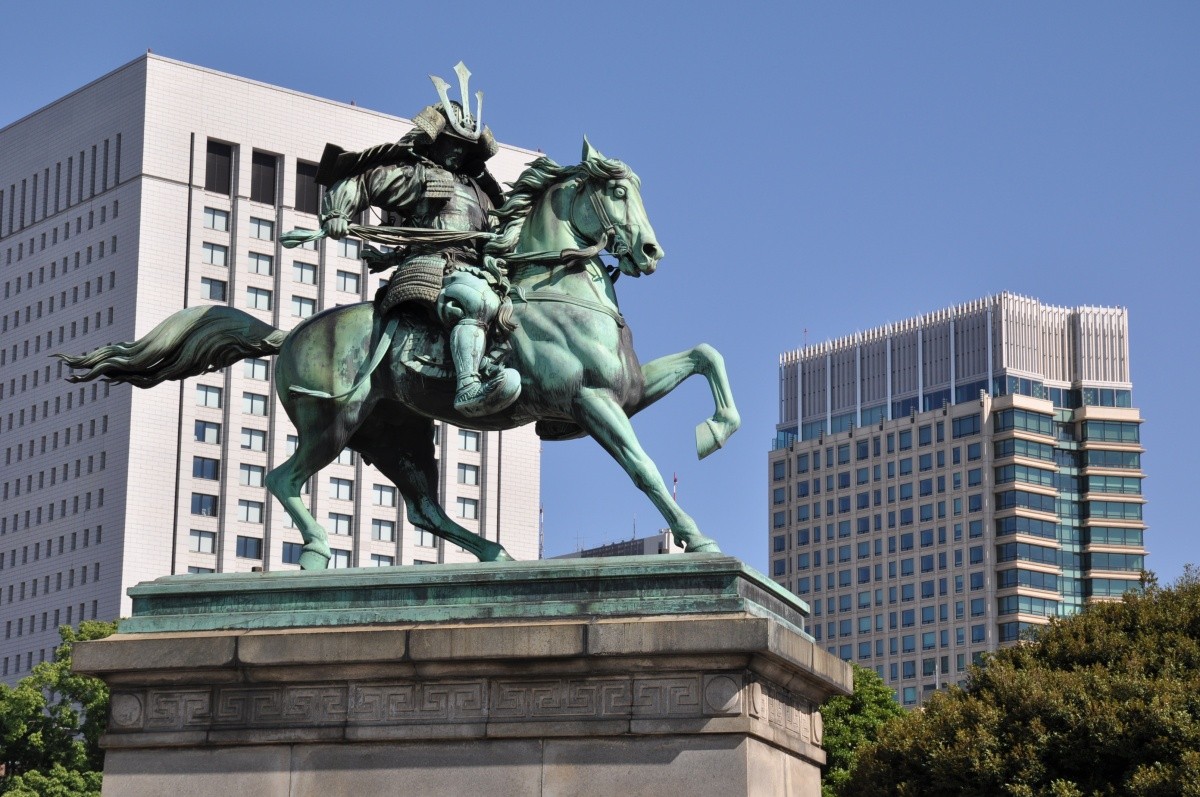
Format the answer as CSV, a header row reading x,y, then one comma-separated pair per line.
x,y
619,192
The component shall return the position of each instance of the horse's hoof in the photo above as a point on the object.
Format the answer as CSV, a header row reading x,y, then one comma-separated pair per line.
x,y
495,553
707,546
707,439
313,560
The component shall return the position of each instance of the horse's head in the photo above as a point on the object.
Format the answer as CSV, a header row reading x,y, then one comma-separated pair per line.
x,y
608,206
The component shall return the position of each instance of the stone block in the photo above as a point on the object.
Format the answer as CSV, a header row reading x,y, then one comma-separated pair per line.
x,y
438,769
513,641
321,645
670,636
155,652
259,770
696,766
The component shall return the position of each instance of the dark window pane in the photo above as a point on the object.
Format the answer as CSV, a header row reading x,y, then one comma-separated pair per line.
x,y
262,178
218,168
308,193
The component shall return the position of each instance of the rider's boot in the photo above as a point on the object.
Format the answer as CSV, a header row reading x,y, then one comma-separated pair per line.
x,y
475,396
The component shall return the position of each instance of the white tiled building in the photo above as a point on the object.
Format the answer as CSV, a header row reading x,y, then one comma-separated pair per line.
x,y
158,186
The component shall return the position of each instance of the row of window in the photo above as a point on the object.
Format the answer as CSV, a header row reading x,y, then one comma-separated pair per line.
x,y
34,311
70,614
83,467
65,544
218,177
263,264
250,511
98,167
17,592
34,517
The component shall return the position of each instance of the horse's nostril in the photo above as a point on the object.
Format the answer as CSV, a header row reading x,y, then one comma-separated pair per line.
x,y
651,250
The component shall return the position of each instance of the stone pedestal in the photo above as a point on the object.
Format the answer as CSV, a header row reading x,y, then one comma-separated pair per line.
x,y
517,679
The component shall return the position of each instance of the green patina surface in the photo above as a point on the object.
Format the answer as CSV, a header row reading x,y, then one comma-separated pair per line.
x,y
555,588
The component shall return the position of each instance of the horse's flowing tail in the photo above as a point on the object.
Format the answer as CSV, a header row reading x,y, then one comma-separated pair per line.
x,y
195,340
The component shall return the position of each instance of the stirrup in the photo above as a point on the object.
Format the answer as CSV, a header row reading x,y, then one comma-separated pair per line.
x,y
478,398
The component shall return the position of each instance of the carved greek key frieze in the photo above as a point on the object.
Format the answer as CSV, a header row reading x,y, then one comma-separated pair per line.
x,y
178,709
677,695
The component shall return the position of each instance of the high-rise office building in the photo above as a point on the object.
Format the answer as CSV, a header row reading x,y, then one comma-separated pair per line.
x,y
940,485
158,186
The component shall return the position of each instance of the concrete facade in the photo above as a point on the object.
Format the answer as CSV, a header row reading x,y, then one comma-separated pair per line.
x,y
940,485
107,226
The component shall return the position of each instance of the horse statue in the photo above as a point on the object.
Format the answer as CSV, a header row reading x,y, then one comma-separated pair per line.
x,y
348,378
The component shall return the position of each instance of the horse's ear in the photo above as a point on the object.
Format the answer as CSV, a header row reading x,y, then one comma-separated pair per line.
x,y
590,153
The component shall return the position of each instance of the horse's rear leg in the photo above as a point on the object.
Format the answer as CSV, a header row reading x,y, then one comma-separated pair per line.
x,y
404,453
599,413
324,429
664,375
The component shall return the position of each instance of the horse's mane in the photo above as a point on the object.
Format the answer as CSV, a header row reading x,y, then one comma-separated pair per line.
x,y
529,187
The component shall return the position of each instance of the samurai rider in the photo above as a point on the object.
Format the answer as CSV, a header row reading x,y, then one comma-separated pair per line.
x,y
435,183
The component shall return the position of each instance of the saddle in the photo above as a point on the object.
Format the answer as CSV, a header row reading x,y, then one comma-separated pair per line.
x,y
423,348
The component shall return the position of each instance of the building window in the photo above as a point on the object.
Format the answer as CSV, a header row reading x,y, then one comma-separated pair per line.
x,y
254,403
251,475
383,495
425,539
218,168
208,432
291,553
202,541
212,290
468,508
468,440
250,511
308,193
468,474
258,298
340,523
215,254
206,468
347,281
256,368
262,229
262,178
203,504
303,307
345,457
254,439
216,219
261,264
341,489
305,273
348,248
208,396
249,547
379,560
383,530
339,558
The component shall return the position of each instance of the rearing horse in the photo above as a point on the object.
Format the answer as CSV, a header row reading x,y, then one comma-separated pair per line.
x,y
342,387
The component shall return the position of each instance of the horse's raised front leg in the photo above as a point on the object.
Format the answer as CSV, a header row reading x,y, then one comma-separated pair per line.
x,y
598,413
404,453
664,375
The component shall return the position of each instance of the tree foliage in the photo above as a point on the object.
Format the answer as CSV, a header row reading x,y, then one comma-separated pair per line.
x,y
850,723
51,721
1103,703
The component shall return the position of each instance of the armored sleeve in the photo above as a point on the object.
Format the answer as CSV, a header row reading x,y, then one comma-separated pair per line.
x,y
394,188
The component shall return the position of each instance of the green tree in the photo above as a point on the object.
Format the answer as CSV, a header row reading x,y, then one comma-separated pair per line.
x,y
1106,702
51,721
850,723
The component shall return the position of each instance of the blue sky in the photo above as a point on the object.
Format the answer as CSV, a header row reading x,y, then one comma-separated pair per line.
x,y
819,166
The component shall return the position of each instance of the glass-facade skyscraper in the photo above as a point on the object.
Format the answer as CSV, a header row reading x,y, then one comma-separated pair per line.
x,y
940,485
